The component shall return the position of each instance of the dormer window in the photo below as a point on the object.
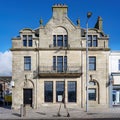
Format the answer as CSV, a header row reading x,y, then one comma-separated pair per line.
x,y
92,41
27,40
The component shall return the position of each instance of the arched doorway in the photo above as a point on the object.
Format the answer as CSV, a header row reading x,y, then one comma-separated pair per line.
x,y
93,92
28,93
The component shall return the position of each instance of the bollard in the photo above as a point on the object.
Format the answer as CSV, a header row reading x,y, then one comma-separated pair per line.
x,y
24,110
21,110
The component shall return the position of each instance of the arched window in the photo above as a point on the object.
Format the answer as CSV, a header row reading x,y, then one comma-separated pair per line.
x,y
60,37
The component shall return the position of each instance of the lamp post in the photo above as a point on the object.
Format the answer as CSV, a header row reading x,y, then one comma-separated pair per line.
x,y
89,14
37,66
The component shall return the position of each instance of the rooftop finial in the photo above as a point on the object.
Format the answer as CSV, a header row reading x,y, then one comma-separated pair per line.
x,y
41,22
78,22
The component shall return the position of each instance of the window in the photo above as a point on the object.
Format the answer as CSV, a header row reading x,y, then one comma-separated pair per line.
x,y
54,40
48,91
65,40
119,64
30,40
65,63
92,63
92,94
60,40
60,63
89,40
92,40
54,62
59,90
27,40
27,63
71,91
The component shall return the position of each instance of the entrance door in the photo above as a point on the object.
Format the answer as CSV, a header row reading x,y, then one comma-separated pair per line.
x,y
27,96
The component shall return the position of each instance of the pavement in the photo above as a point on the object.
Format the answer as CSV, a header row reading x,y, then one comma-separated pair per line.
x,y
51,113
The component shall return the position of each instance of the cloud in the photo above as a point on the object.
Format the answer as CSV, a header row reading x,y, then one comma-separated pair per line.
x,y
6,63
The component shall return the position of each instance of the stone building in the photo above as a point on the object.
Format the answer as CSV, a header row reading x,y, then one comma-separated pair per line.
x,y
5,87
50,62
114,72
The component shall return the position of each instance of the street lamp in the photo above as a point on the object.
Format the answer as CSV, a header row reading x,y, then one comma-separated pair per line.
x,y
37,66
89,14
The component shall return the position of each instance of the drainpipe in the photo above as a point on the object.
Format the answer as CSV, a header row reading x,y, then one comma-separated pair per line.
x,y
110,91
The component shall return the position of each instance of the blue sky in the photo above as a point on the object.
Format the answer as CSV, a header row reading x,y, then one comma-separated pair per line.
x,y
19,14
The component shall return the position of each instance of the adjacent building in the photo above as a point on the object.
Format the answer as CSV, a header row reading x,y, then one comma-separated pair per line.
x,y
5,87
114,72
49,63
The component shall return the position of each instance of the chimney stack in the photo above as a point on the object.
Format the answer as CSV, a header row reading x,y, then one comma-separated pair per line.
x,y
59,10
99,24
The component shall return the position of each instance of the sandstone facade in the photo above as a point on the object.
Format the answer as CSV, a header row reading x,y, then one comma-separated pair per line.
x,y
56,57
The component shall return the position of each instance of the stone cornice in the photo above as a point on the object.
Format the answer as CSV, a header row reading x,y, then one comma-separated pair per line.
x,y
62,49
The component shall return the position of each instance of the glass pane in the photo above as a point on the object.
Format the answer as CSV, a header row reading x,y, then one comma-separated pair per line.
x,y
27,59
24,37
71,91
65,63
92,63
30,43
114,95
94,40
89,37
89,43
94,37
65,40
60,64
94,43
48,91
54,62
27,67
27,63
60,40
29,37
24,43
54,40
92,59
59,90
91,67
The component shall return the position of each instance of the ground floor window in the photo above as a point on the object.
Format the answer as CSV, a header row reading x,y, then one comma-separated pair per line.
x,y
92,94
116,96
48,91
71,91
59,90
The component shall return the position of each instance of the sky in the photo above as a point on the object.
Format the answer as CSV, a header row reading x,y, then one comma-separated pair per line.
x,y
18,14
